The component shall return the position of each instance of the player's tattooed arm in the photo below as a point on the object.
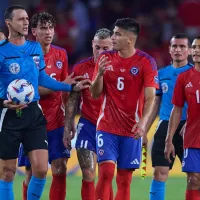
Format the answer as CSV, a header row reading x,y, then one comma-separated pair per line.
x,y
70,111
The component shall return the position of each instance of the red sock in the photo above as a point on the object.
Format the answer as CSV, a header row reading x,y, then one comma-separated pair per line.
x,y
106,173
25,188
88,190
111,193
123,180
192,195
58,187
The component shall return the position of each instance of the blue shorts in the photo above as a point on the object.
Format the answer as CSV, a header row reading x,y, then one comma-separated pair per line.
x,y
86,135
56,148
191,160
126,151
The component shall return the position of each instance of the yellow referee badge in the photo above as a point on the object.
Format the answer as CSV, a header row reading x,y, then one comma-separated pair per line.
x,y
143,169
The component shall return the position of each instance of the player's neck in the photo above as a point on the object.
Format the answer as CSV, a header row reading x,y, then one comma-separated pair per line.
x,y
16,39
197,66
126,53
45,48
180,64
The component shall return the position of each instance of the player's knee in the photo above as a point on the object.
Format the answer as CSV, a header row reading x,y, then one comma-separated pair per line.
x,y
8,173
193,181
88,174
106,171
40,171
161,173
59,166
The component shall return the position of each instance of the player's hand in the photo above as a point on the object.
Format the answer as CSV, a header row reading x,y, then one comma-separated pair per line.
x,y
169,150
82,85
145,140
73,80
69,134
138,130
103,62
10,105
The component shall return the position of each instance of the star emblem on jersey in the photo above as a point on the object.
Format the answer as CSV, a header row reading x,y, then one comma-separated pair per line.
x,y
36,60
134,70
59,64
14,68
101,152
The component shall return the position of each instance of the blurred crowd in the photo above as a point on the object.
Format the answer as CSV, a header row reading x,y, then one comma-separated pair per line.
x,y
77,21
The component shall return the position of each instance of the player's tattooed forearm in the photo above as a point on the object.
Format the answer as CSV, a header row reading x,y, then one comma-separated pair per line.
x,y
71,107
86,159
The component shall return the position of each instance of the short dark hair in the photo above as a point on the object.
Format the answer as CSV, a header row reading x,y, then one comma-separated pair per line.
x,y
128,24
103,33
9,11
43,18
181,36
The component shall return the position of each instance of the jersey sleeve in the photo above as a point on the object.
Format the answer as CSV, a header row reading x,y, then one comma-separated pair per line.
x,y
159,90
96,69
179,93
150,73
65,67
42,62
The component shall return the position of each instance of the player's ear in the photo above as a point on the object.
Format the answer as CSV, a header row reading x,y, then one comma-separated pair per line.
x,y
7,21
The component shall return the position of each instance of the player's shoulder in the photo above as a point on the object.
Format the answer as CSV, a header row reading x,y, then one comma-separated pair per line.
x,y
58,49
164,69
3,42
84,63
32,43
187,72
144,56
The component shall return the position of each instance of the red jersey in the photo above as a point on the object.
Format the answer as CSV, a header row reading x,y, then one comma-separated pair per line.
x,y
188,89
124,81
57,68
89,107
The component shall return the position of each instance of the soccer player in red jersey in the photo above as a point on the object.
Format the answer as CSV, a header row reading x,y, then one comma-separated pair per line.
x,y
86,128
120,76
56,61
187,89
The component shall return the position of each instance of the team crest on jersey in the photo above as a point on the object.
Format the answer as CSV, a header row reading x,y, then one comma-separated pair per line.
x,y
59,64
134,70
36,60
164,87
14,68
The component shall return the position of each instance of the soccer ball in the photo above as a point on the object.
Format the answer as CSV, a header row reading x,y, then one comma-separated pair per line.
x,y
20,91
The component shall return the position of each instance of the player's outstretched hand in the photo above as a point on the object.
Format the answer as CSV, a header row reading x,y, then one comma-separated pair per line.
x,y
169,150
103,62
73,80
9,104
138,130
69,134
82,85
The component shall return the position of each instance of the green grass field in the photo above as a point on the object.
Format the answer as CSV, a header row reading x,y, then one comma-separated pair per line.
x,y
139,188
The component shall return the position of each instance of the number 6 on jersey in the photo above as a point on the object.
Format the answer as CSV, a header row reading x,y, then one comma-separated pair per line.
x,y
120,83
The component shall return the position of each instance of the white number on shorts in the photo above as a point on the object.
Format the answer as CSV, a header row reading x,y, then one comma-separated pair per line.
x,y
197,96
84,144
185,153
100,140
120,83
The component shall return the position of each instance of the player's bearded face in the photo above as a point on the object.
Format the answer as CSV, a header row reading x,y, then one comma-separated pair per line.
x,y
44,33
19,23
100,46
179,49
196,51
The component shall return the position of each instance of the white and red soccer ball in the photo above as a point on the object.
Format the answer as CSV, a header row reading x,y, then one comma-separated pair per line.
x,y
20,91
